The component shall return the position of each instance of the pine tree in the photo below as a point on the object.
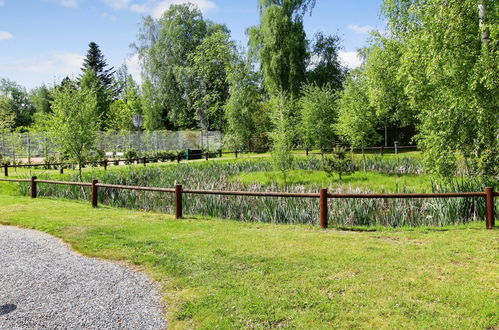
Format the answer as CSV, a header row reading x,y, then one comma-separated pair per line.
x,y
95,60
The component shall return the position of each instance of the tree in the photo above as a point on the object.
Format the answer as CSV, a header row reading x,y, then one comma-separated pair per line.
x,y
6,115
95,61
339,162
20,103
210,63
450,65
283,133
120,116
318,116
324,66
91,82
357,119
164,47
244,103
279,43
74,123
41,99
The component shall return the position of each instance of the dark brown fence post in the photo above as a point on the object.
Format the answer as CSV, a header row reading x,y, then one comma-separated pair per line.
x,y
94,192
6,169
61,170
33,187
207,155
144,160
178,201
382,151
236,153
323,207
178,158
489,206
220,153
105,164
306,151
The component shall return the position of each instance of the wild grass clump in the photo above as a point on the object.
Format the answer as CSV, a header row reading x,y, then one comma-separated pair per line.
x,y
216,176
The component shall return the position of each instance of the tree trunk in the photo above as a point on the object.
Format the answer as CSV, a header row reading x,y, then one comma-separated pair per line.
x,y
482,14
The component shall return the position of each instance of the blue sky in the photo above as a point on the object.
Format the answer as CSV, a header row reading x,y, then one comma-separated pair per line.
x,y
42,41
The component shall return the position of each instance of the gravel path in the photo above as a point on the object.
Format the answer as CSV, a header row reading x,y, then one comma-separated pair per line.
x,y
43,284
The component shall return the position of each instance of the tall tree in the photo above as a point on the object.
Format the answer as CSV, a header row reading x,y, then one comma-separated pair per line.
x,y
90,82
95,60
318,116
73,125
210,64
164,47
450,65
279,43
20,103
324,67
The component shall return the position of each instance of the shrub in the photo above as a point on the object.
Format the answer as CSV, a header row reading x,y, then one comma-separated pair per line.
x,y
130,156
339,162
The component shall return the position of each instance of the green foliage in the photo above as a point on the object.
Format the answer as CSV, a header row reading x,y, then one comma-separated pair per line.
x,y
450,66
7,117
357,120
165,48
19,102
242,108
279,43
283,133
91,82
325,65
131,156
318,116
120,116
75,122
339,162
210,63
95,61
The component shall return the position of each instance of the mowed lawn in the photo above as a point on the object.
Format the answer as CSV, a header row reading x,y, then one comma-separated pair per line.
x,y
227,274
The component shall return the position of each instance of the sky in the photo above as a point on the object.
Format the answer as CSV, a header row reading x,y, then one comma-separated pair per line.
x,y
42,41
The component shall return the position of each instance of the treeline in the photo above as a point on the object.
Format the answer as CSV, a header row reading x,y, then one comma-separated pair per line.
x,y
431,79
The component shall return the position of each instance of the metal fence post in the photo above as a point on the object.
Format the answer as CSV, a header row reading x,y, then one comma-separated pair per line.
x,y
94,192
178,201
33,187
489,206
323,207
6,169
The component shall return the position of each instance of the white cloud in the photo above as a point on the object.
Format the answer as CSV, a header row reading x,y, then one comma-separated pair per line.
x,y
117,4
110,17
56,63
350,59
205,6
157,8
133,65
360,29
2,3
5,35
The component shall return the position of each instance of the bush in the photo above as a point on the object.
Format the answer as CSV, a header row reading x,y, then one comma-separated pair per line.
x,y
130,156
339,162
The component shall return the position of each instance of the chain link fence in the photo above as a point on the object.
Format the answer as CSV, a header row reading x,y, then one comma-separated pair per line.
x,y
31,145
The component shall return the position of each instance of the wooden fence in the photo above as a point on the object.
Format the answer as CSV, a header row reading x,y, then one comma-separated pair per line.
x,y
322,195
206,155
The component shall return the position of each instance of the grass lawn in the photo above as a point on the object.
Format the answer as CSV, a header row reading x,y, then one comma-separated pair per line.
x,y
364,180
228,274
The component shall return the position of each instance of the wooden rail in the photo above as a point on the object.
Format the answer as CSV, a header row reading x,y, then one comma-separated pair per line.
x,y
323,195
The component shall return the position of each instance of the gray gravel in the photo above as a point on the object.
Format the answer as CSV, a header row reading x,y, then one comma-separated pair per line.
x,y
43,284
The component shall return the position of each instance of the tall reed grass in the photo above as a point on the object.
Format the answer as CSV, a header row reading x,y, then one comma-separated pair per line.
x,y
216,175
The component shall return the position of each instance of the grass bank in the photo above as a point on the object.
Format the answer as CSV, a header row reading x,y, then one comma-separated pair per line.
x,y
228,274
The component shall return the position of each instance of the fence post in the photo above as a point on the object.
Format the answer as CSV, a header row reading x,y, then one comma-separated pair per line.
x,y
6,169
236,153
94,192
323,207
382,151
33,187
105,164
61,170
178,201
178,158
489,207
145,161
306,151
220,153
207,155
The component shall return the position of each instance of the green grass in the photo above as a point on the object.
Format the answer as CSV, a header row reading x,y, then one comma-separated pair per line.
x,y
373,181
228,274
